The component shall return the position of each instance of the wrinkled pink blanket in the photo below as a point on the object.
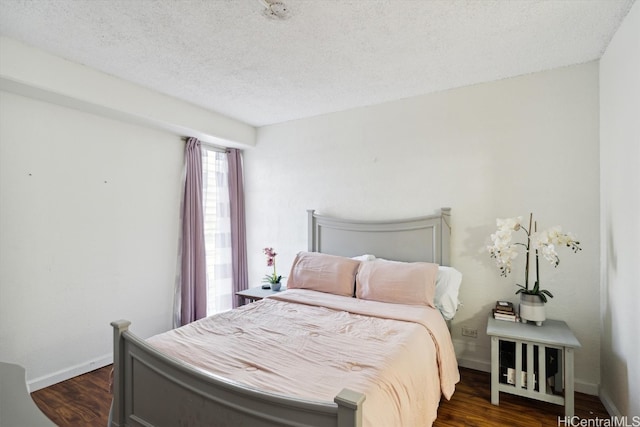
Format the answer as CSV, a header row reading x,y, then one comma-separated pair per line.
x,y
311,345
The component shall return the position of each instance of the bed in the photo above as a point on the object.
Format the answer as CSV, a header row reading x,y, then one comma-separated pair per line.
x,y
196,376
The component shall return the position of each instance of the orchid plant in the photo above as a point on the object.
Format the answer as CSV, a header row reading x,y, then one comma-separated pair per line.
x,y
504,250
271,262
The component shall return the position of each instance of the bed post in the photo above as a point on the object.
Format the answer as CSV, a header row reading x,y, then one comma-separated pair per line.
x,y
117,405
311,230
445,229
349,408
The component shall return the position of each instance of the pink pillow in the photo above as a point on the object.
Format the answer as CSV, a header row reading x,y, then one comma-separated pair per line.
x,y
397,282
324,273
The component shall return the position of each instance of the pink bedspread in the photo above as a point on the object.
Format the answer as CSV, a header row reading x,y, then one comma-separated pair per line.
x,y
311,345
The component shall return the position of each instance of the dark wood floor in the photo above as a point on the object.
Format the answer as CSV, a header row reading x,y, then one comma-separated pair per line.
x,y
85,400
471,406
81,401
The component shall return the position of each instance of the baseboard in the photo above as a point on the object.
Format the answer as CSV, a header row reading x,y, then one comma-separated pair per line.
x,y
586,388
65,374
611,408
478,365
485,366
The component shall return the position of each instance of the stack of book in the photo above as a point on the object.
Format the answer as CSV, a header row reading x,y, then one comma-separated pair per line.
x,y
505,311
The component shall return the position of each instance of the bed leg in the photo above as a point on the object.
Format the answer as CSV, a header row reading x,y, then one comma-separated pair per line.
x,y
117,405
349,408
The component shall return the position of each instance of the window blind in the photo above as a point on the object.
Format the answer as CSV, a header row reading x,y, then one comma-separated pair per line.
x,y
217,230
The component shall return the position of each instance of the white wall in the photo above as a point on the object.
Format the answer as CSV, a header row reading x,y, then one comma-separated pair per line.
x,y
90,181
620,214
89,212
491,150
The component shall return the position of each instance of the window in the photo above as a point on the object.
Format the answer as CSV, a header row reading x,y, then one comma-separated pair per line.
x,y
217,230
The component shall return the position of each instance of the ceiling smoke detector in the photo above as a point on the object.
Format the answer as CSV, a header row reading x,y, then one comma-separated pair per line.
x,y
275,9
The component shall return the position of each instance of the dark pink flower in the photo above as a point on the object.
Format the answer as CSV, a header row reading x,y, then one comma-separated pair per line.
x,y
271,262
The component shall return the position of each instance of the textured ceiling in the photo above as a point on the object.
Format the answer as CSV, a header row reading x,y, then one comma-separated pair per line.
x,y
329,55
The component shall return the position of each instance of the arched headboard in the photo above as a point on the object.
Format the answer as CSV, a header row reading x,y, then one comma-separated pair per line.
x,y
415,239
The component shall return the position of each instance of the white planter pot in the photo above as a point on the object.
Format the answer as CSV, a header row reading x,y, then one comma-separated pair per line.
x,y
532,309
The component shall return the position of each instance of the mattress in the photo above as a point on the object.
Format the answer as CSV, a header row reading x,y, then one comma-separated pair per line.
x,y
310,345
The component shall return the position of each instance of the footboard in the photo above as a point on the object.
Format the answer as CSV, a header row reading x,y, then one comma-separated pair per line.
x,y
152,389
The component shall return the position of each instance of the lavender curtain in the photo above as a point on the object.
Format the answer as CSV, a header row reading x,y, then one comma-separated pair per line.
x,y
193,278
238,225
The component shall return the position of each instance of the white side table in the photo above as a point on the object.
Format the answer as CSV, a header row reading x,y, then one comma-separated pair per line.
x,y
552,334
257,293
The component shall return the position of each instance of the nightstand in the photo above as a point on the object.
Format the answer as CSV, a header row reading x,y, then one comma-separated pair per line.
x,y
257,293
543,348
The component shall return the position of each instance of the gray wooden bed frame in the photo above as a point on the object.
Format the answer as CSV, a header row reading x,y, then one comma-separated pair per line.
x,y
153,389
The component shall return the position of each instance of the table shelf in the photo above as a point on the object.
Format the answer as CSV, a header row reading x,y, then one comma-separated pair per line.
x,y
532,366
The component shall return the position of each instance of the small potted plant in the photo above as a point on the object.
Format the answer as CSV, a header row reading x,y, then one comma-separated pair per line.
x,y
273,279
504,250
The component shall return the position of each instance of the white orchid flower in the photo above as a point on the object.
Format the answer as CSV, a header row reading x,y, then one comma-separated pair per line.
x,y
509,223
544,243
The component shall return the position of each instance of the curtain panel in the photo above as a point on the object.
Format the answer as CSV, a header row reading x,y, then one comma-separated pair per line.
x,y
238,225
193,279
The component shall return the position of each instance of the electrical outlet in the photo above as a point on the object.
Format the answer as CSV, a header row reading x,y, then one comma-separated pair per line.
x,y
468,332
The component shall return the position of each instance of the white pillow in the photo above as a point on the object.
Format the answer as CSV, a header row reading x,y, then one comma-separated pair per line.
x,y
447,288
365,257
